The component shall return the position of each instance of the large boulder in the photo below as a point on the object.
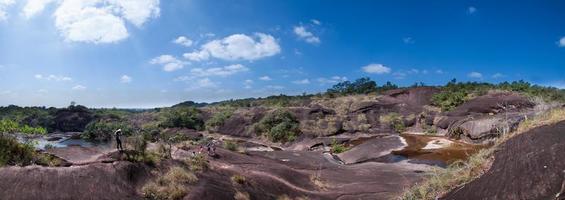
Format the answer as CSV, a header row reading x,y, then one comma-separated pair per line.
x,y
241,122
527,166
477,129
493,103
372,149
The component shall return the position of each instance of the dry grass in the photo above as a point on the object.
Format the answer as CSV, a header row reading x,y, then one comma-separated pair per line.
x,y
238,179
170,186
239,195
197,163
286,197
316,180
441,181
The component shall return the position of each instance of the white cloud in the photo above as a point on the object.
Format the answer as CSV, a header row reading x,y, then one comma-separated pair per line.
x,y
561,42
33,7
498,75
219,71
78,87
237,47
316,22
169,62
197,56
332,80
247,83
137,11
125,79
265,78
276,87
43,91
475,75
307,36
4,4
52,77
301,82
439,71
376,69
471,10
95,21
408,40
184,41
202,83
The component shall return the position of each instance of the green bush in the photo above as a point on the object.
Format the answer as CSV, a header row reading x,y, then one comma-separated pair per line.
x,y
456,93
394,120
219,118
182,117
230,145
9,126
279,126
14,153
337,147
104,129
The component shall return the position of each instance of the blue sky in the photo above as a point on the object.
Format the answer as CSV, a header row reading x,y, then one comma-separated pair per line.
x,y
147,53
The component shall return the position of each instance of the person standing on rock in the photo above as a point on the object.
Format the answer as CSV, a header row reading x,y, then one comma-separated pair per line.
x,y
118,133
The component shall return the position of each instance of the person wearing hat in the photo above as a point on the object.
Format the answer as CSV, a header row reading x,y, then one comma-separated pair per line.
x,y
118,133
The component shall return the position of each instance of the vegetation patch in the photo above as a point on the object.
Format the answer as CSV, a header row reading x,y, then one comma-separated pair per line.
x,y
197,163
231,145
14,153
456,93
182,117
394,120
238,179
219,118
279,126
103,129
172,185
10,126
338,147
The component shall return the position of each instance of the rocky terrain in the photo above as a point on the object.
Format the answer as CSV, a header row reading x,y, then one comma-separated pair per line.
x,y
388,143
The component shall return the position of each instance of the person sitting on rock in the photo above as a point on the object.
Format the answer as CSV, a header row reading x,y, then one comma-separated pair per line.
x,y
118,133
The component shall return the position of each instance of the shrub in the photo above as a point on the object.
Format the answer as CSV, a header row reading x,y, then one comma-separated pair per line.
x,y
14,153
103,129
337,147
219,118
182,117
180,175
279,126
48,160
238,179
197,163
394,120
10,126
429,130
172,185
230,145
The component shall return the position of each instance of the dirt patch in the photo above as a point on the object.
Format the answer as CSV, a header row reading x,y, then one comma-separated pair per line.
x,y
528,166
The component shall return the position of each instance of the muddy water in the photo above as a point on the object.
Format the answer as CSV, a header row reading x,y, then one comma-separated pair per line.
x,y
442,157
